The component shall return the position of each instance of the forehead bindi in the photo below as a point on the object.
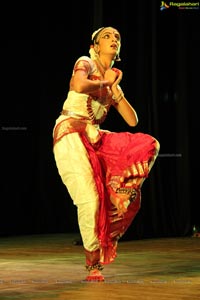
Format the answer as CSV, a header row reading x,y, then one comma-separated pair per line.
x,y
110,32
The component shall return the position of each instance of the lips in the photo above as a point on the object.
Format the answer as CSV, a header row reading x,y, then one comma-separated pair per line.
x,y
114,46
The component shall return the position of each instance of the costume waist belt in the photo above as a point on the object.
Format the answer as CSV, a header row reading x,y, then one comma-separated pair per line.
x,y
73,114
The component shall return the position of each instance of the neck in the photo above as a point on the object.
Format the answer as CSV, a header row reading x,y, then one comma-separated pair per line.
x,y
105,63
103,67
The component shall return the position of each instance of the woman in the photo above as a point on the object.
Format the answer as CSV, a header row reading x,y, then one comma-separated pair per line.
x,y
102,170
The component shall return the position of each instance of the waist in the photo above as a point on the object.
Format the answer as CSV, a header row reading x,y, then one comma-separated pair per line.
x,y
70,113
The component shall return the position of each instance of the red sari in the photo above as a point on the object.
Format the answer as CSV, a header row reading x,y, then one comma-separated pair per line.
x,y
114,156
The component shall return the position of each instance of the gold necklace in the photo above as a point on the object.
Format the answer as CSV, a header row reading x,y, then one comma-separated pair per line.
x,y
104,68
100,66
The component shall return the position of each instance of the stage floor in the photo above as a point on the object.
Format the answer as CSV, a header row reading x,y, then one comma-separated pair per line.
x,y
51,267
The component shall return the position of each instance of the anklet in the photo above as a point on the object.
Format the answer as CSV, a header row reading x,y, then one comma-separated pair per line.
x,y
93,267
132,192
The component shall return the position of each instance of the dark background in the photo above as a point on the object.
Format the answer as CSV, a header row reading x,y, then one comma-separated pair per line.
x,y
160,62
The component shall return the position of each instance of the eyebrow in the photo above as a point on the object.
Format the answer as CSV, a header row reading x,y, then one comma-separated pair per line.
x,y
110,32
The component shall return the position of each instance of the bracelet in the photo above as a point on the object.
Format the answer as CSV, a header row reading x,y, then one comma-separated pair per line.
x,y
118,98
101,84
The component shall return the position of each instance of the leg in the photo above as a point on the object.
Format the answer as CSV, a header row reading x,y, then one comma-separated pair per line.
x,y
77,175
122,197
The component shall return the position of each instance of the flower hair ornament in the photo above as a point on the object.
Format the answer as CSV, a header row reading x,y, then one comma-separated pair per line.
x,y
95,34
92,52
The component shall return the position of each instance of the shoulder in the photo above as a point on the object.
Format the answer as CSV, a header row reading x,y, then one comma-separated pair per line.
x,y
86,63
85,58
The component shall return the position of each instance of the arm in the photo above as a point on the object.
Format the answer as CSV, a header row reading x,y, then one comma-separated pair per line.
x,y
122,105
80,82
128,113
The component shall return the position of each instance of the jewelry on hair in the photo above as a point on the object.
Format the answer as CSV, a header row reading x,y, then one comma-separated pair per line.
x,y
92,52
96,32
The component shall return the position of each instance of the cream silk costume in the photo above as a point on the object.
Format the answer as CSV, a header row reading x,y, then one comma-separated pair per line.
x,y
91,162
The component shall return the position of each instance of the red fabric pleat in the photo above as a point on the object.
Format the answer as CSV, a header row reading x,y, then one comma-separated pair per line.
x,y
113,155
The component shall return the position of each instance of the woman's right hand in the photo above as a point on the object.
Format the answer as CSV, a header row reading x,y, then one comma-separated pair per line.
x,y
111,76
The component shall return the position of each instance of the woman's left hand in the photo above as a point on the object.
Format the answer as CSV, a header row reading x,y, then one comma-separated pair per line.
x,y
113,76
119,76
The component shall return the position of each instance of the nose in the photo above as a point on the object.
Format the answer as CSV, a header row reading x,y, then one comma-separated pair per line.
x,y
114,38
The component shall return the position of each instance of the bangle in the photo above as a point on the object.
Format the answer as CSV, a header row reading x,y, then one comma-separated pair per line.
x,y
118,98
101,84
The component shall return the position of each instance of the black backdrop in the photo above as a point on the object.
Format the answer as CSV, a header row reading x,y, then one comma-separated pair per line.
x,y
160,62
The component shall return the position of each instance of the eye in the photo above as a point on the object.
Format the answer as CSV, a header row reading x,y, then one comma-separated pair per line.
x,y
117,36
106,36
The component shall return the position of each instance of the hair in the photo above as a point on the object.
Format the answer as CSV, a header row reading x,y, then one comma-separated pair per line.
x,y
95,35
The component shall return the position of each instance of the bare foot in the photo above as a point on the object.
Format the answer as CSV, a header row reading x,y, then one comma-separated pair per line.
x,y
95,275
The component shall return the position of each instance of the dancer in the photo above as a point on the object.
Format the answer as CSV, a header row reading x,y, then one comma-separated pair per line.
x,y
103,171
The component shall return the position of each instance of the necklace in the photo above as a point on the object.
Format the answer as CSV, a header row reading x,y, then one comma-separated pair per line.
x,y
101,67
104,68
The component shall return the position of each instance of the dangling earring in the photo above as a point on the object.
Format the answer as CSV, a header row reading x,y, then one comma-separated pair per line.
x,y
117,58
